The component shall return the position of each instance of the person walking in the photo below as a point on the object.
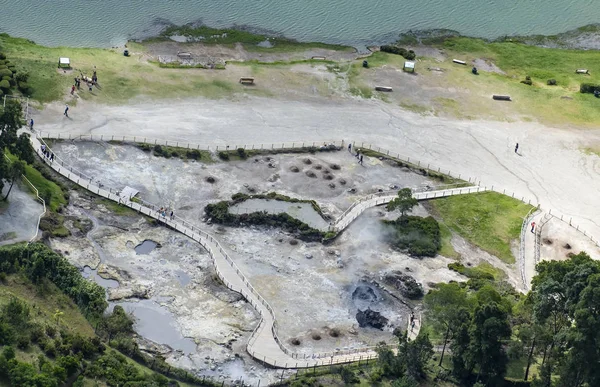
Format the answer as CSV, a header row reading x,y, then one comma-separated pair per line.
x,y
66,114
350,147
51,156
361,160
517,148
532,226
171,215
31,124
72,89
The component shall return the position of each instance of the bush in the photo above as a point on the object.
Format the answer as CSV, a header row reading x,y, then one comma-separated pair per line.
x,y
589,88
4,85
22,77
527,81
418,236
348,376
242,153
5,73
24,87
407,54
224,155
551,82
193,154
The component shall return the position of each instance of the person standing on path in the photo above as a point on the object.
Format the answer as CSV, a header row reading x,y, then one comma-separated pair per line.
x,y
532,226
72,89
66,114
350,147
360,161
171,214
31,124
517,148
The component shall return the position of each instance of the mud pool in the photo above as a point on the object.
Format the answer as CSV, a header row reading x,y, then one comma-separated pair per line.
x,y
145,247
301,211
155,323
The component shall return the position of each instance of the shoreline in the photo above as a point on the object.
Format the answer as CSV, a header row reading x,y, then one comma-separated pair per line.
x,y
586,37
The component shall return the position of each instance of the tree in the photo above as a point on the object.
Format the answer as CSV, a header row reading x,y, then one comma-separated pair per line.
x,y
23,150
15,170
417,354
444,306
404,202
489,328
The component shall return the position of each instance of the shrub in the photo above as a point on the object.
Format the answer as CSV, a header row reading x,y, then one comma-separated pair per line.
x,y
193,154
22,77
174,154
348,376
224,155
24,87
4,85
418,236
527,81
551,82
242,153
2,56
5,73
589,88
407,54
158,150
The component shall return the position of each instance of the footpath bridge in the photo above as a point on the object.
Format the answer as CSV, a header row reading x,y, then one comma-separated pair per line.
x,y
264,344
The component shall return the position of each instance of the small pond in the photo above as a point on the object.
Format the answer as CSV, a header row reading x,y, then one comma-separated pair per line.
x,y
156,323
183,277
145,247
301,211
92,274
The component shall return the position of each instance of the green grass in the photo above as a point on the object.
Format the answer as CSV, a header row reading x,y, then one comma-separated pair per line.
x,y
591,151
481,271
46,188
489,220
447,250
519,60
116,208
45,303
121,78
250,41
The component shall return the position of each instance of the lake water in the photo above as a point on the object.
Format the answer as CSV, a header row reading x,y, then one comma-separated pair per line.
x,y
107,23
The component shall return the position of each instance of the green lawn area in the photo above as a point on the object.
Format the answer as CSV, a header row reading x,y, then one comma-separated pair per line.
x,y
121,78
47,189
46,303
447,250
489,220
541,64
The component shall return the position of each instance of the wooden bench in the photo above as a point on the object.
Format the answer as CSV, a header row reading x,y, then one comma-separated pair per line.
x,y
318,58
460,62
383,88
501,97
582,71
247,81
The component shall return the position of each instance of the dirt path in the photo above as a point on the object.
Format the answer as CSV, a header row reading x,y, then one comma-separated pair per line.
x,y
549,169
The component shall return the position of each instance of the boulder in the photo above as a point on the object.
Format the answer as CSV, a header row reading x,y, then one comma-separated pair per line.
x,y
371,318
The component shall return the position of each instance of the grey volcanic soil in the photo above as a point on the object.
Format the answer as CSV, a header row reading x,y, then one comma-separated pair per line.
x,y
311,296
18,221
193,320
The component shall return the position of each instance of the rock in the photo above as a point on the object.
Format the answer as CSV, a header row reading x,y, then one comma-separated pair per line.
x,y
405,284
339,263
121,293
308,256
371,318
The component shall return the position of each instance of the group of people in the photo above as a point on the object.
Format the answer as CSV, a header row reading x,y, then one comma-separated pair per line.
x,y
358,155
90,83
46,152
163,212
